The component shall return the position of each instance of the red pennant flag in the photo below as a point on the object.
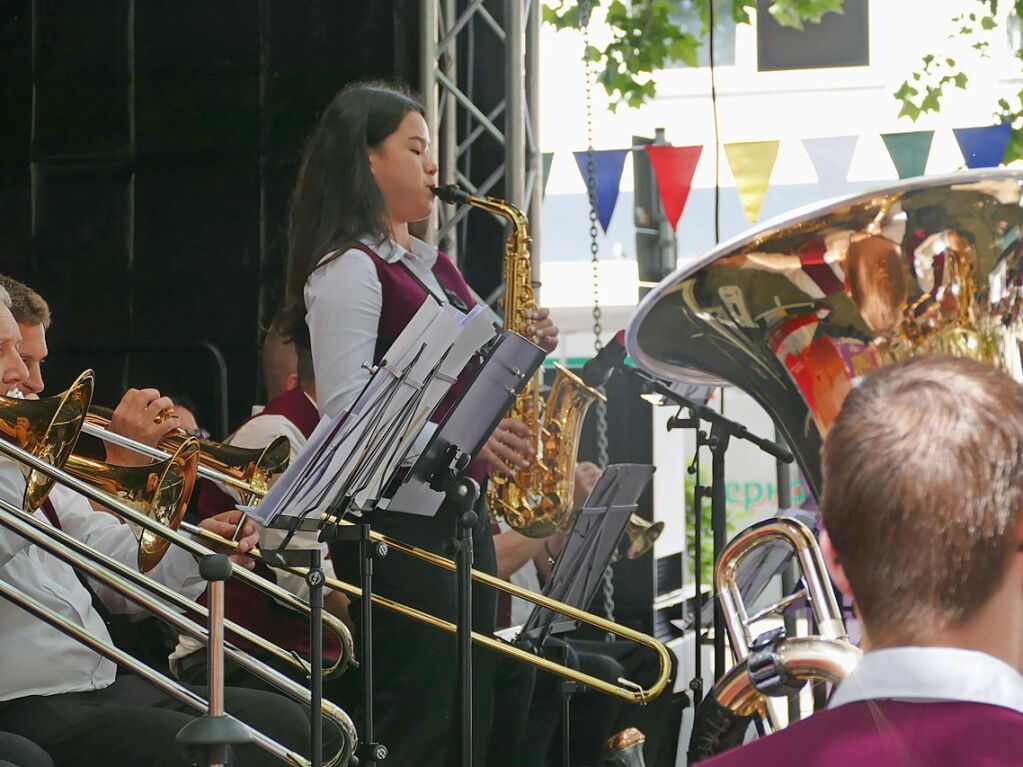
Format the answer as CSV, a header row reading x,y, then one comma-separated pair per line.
x,y
674,167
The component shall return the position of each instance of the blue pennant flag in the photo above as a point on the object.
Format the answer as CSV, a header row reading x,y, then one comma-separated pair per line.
x,y
607,167
983,147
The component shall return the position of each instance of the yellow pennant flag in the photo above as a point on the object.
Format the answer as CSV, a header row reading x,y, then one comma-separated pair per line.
x,y
751,163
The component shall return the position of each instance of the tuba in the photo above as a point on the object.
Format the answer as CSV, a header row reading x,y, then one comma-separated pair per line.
x,y
537,501
795,311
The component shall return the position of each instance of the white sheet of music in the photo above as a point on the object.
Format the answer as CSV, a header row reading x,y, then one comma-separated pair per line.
x,y
361,448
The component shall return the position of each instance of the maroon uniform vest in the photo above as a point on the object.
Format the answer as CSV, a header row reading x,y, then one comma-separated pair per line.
x,y
886,733
401,296
242,603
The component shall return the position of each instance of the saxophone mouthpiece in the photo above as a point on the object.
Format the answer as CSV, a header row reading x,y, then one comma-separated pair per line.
x,y
450,194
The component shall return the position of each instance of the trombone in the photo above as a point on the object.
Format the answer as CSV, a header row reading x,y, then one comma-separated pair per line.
x,y
134,586
64,414
641,535
625,689
248,470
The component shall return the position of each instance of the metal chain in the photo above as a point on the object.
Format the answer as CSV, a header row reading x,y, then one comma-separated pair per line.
x,y
591,188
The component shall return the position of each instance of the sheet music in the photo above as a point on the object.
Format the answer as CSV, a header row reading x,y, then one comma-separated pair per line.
x,y
355,453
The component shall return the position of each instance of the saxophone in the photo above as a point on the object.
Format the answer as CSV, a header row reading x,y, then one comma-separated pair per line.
x,y
536,501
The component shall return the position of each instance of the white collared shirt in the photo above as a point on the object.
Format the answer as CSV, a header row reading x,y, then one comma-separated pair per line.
x,y
39,659
932,674
343,301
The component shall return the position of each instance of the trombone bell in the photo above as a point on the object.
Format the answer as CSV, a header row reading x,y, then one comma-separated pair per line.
x,y
159,490
47,428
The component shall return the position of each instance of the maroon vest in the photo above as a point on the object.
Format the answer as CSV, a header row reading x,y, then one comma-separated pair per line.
x,y
243,604
401,296
885,733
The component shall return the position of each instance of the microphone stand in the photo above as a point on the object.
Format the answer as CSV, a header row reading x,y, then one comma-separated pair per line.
x,y
722,430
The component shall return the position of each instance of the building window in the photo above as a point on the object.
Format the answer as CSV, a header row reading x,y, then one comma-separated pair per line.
x,y
839,40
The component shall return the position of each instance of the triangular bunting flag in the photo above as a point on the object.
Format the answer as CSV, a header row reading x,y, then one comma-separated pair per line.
x,y
607,165
751,163
673,168
548,158
983,147
831,158
909,151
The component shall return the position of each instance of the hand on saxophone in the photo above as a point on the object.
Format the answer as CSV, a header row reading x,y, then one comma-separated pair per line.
x,y
543,330
508,448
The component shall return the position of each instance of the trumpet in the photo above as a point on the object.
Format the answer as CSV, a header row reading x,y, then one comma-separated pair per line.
x,y
160,491
626,690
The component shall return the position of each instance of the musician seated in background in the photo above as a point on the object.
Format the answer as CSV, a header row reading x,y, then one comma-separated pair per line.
x,y
56,691
527,705
922,509
291,413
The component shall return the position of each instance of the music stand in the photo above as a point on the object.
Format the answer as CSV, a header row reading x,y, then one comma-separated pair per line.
x,y
579,570
592,542
436,476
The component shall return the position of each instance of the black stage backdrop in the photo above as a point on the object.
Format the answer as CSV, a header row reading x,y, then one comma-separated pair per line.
x,y
147,154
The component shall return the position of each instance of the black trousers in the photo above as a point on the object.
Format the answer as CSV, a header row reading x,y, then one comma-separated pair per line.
x,y
16,751
591,713
594,716
415,688
510,728
131,723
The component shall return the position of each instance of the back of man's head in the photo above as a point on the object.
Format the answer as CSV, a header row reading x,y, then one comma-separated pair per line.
x,y
923,493
280,363
27,306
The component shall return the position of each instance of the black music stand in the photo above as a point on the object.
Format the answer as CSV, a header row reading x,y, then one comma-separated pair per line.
x,y
436,476
579,570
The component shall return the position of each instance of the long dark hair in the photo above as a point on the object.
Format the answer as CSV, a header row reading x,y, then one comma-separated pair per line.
x,y
336,200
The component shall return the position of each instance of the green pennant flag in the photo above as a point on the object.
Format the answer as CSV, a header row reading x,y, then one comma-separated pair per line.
x,y
548,158
909,151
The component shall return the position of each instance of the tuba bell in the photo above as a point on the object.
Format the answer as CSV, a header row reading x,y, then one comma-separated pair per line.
x,y
795,311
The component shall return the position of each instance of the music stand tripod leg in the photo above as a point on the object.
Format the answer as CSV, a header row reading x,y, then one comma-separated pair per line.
x,y
464,493
209,737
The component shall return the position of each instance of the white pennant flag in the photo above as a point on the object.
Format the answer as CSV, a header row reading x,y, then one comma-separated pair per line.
x,y
831,158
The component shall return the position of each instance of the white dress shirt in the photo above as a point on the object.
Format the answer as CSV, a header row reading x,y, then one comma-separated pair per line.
x,y
37,658
932,674
343,301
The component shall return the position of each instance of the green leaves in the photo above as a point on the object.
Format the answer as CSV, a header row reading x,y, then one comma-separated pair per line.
x,y
645,38
792,13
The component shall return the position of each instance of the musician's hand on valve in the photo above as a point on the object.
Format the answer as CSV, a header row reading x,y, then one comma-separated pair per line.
x,y
586,476
543,330
144,416
508,448
225,525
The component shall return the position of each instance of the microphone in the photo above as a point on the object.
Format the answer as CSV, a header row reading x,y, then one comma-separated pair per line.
x,y
606,362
